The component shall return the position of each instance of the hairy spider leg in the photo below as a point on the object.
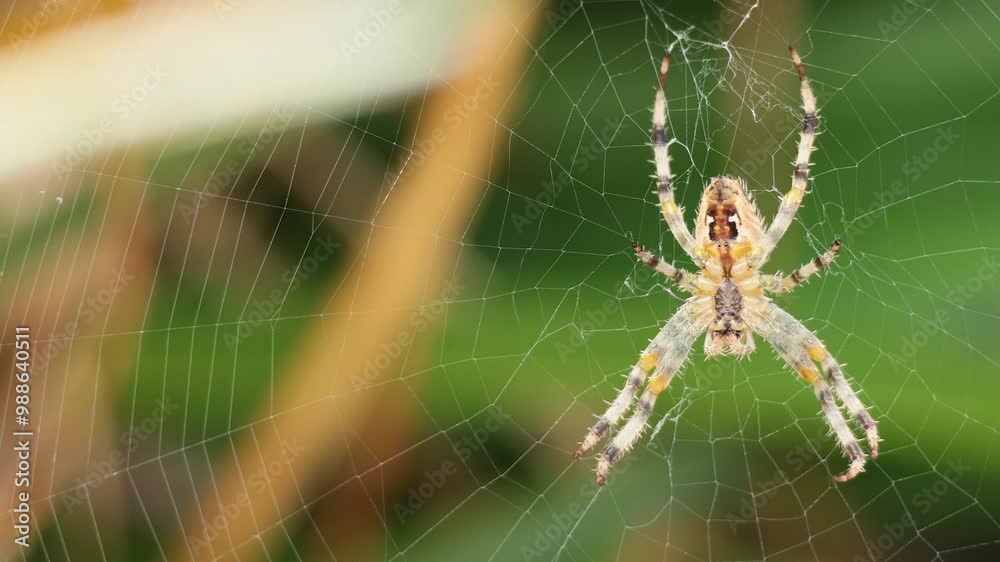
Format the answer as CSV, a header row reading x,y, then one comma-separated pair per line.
x,y
778,284
681,277
677,337
799,347
807,139
672,214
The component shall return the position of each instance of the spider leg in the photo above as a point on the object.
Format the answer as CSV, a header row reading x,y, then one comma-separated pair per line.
x,y
776,284
633,429
674,343
636,378
848,397
684,279
835,419
800,348
672,214
807,138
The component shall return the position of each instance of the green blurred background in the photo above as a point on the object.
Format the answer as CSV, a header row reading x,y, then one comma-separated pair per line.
x,y
550,309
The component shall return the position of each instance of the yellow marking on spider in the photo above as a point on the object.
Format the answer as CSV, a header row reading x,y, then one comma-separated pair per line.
x,y
808,372
670,208
658,384
648,362
794,196
816,353
741,250
710,250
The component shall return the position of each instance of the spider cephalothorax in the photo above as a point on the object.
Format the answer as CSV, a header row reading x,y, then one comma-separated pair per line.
x,y
729,299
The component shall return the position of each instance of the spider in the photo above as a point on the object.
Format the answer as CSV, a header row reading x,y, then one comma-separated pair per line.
x,y
729,297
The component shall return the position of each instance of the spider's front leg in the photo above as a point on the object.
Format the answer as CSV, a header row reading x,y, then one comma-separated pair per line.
x,y
800,348
807,139
664,356
672,214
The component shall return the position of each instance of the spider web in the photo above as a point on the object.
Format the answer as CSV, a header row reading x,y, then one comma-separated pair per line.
x,y
473,457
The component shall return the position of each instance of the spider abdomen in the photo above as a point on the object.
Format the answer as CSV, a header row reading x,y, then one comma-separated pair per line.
x,y
728,300
728,334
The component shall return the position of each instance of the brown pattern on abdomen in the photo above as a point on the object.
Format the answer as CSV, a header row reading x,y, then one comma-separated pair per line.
x,y
722,228
728,303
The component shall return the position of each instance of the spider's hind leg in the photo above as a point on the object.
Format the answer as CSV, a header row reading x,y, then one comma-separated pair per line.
x,y
635,380
676,339
847,395
800,348
664,357
835,419
632,430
